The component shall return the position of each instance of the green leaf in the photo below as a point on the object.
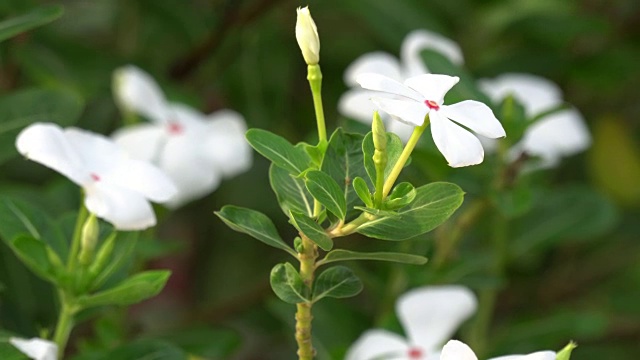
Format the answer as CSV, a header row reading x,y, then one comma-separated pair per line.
x,y
279,151
336,282
22,108
401,195
290,191
36,17
312,230
253,223
394,149
362,190
133,290
287,284
35,255
433,205
344,255
147,349
327,192
343,161
565,353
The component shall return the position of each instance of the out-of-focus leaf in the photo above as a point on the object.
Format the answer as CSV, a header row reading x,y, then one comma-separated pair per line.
x,y
36,17
147,349
36,256
133,290
198,341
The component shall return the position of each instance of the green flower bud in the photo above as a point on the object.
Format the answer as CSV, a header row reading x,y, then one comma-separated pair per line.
x,y
89,239
307,36
565,354
379,133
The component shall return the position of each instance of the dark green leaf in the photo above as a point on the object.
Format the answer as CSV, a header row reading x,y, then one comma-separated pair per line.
x,y
312,230
279,151
253,223
336,282
33,19
394,149
287,284
327,192
433,205
362,190
133,290
291,192
344,255
36,255
147,349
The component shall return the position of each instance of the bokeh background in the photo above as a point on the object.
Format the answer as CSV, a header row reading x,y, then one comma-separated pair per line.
x,y
575,270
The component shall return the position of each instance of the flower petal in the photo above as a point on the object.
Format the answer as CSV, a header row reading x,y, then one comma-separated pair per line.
x,y
378,344
141,141
407,111
432,86
126,209
382,83
143,178
457,350
225,144
540,355
535,93
35,348
417,41
375,62
99,154
47,144
431,314
475,116
356,104
193,121
459,146
137,91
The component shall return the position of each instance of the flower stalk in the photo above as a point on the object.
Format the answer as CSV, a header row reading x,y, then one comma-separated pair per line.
x,y
65,323
379,157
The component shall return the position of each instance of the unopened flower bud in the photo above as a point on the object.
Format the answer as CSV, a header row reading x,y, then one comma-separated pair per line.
x,y
89,239
565,354
379,133
307,36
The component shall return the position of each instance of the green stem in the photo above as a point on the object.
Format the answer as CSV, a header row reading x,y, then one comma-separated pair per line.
x,y
307,260
404,157
72,261
350,227
380,160
65,324
314,75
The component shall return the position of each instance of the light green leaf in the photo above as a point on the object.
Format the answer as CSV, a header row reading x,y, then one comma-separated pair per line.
x,y
253,223
362,190
35,254
394,149
433,205
327,192
287,284
336,282
344,255
290,191
22,108
401,195
312,230
133,290
36,17
279,151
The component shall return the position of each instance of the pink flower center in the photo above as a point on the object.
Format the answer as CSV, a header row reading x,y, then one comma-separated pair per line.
x,y
432,104
415,354
174,128
95,177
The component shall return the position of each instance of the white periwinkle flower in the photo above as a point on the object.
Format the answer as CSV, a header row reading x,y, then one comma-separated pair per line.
x,y
117,188
554,135
35,348
457,350
307,36
195,150
355,102
424,94
429,316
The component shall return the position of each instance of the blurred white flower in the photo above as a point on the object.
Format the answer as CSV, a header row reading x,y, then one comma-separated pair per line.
x,y
195,150
457,350
553,136
35,348
429,316
424,94
355,102
307,36
117,188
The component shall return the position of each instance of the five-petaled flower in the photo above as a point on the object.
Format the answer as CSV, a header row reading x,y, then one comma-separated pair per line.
x,y
355,102
36,348
195,150
554,135
423,95
429,315
117,188
457,350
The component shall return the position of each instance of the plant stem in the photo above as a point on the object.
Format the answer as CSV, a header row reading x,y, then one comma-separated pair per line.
x,y
65,323
307,259
77,237
406,152
314,75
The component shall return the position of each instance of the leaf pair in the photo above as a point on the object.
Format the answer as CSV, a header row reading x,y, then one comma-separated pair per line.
x,y
336,282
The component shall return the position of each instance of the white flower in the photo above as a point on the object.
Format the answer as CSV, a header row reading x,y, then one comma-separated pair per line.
x,y
555,135
117,188
457,350
35,348
355,102
307,36
195,150
424,94
429,316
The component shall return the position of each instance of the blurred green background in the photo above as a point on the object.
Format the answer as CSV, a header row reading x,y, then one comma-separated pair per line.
x,y
575,270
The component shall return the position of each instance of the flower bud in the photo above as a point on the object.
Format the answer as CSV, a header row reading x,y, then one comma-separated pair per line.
x,y
379,133
307,36
89,239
